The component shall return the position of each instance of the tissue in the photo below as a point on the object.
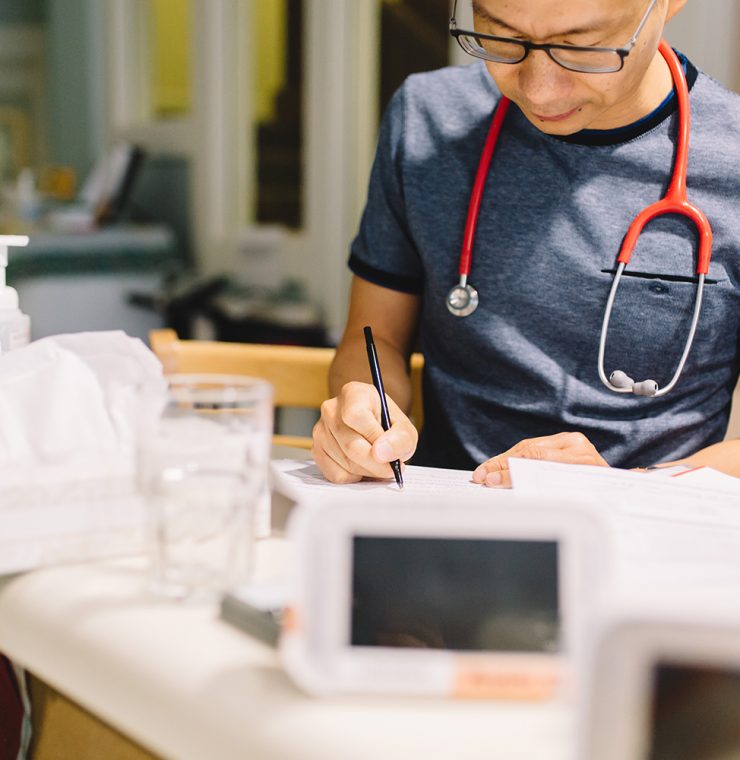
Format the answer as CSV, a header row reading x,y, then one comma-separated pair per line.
x,y
69,408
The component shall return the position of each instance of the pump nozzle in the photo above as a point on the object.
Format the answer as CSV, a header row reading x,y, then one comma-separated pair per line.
x,y
8,241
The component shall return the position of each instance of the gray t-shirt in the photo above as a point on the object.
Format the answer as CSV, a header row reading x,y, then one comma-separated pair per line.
x,y
554,213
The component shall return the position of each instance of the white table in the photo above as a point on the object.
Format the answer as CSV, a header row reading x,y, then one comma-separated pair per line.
x,y
184,684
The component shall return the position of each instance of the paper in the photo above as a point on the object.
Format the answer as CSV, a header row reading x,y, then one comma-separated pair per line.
x,y
697,496
673,532
302,480
706,477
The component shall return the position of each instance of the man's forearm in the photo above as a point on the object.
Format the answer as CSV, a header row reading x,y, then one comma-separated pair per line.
x,y
350,363
724,456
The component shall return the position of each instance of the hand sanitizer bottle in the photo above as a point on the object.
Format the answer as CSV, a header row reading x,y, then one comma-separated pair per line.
x,y
15,326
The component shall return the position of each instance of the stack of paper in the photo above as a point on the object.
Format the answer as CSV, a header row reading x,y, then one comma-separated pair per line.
x,y
675,533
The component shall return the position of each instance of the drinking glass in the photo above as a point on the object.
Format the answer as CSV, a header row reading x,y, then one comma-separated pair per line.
x,y
202,464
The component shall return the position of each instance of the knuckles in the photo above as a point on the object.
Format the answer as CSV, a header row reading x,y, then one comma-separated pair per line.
x,y
533,451
317,430
579,441
357,449
328,408
576,440
353,389
353,415
342,477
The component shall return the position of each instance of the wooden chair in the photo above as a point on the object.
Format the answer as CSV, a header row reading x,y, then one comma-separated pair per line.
x,y
298,374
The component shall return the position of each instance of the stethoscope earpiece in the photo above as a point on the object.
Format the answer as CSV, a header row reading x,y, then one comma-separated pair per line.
x,y
622,383
621,379
647,388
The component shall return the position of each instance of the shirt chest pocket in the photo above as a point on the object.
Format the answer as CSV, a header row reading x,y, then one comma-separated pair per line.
x,y
651,320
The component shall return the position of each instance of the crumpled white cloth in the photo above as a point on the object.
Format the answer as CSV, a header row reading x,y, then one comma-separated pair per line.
x,y
69,409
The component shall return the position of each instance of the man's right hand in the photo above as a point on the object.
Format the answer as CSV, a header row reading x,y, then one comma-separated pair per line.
x,y
349,442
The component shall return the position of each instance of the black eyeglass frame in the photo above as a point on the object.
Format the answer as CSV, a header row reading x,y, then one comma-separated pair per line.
x,y
528,46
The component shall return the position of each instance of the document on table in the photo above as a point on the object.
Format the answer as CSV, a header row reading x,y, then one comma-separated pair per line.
x,y
676,531
302,479
671,532
701,496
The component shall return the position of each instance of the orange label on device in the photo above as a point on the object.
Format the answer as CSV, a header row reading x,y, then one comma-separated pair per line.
x,y
481,679
291,620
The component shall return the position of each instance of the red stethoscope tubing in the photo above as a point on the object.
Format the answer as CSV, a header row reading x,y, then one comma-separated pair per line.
x,y
674,202
466,256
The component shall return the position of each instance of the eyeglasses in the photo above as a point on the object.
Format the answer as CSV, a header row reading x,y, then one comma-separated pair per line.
x,y
586,60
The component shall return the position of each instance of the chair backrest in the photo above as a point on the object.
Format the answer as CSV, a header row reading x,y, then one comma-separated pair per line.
x,y
298,374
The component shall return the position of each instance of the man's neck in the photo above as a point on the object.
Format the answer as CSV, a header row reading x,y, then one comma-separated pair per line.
x,y
642,100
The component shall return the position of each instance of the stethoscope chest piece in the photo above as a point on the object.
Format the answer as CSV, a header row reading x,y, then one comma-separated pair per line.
x,y
462,300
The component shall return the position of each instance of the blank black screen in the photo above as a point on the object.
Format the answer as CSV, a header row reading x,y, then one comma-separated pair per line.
x,y
458,594
695,714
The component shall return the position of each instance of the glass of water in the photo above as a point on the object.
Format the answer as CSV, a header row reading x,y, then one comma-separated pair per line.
x,y
203,457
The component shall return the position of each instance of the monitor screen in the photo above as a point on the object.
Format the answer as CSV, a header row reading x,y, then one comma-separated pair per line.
x,y
695,713
455,594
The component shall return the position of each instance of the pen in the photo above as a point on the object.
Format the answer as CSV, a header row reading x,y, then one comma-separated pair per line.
x,y
385,420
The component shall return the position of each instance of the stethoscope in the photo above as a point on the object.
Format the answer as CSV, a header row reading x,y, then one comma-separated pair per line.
x,y
463,299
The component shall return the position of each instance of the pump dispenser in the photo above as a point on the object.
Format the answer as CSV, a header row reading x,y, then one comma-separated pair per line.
x,y
15,326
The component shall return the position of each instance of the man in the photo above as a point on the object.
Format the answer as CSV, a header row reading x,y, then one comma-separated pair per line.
x,y
579,156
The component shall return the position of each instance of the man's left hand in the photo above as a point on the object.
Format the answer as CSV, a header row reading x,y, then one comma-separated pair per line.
x,y
568,448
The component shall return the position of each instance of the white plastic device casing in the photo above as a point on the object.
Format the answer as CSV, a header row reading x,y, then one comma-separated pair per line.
x,y
15,326
696,631
315,645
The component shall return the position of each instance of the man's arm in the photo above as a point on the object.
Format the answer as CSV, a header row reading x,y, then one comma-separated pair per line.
x,y
349,442
724,456
393,317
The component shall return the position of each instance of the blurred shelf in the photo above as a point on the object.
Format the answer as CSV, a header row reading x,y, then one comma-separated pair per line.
x,y
125,248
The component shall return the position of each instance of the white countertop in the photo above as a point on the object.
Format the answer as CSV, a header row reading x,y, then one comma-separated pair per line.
x,y
184,684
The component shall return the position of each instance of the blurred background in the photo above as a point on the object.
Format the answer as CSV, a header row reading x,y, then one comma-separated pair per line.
x,y
203,163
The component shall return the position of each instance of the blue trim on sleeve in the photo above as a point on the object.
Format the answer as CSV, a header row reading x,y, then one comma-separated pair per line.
x,y
399,282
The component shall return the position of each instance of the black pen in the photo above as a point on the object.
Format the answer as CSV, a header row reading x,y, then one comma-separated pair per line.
x,y
385,420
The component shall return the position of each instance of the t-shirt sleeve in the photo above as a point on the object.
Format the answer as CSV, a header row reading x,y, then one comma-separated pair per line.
x,y
383,251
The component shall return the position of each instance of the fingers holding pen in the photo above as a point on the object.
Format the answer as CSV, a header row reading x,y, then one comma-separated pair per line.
x,y
341,454
361,415
349,442
362,436
329,456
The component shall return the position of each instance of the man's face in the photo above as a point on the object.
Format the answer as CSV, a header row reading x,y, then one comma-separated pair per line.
x,y
554,99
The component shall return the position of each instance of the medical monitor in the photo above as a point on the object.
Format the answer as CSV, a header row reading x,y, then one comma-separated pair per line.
x,y
694,711
666,690
483,599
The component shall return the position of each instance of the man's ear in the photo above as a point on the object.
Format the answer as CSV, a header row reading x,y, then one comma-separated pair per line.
x,y
674,6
